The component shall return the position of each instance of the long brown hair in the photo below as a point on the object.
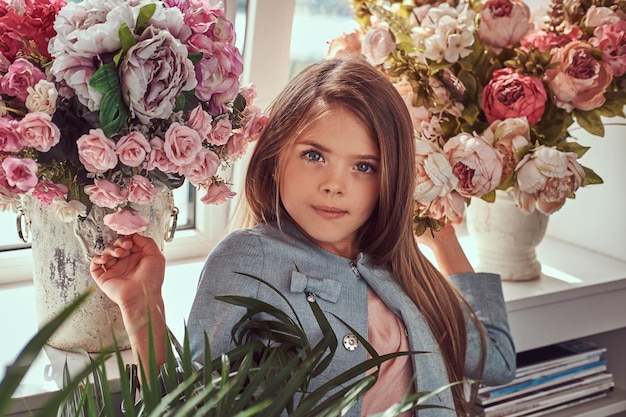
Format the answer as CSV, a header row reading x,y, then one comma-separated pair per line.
x,y
387,237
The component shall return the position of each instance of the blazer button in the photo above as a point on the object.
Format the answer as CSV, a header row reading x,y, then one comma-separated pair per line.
x,y
350,342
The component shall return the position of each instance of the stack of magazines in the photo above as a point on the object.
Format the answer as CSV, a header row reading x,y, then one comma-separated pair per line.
x,y
550,379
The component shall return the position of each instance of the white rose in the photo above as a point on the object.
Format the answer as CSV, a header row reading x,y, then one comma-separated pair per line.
x,y
68,210
42,97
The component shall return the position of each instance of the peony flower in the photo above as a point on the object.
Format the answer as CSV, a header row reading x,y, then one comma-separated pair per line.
x,y
510,94
597,16
475,163
611,40
132,149
182,143
96,151
503,23
42,97
433,173
217,72
20,75
68,211
140,190
377,44
347,44
217,194
126,222
448,208
20,174
509,136
38,131
46,191
545,177
153,73
580,80
104,193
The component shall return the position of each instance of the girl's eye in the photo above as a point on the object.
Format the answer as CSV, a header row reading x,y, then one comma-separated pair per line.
x,y
313,156
365,167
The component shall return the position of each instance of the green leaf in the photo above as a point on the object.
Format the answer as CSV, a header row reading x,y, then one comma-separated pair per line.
x,y
127,39
105,79
575,147
145,13
590,121
591,178
195,57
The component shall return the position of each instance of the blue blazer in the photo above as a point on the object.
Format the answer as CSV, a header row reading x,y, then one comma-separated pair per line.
x,y
272,254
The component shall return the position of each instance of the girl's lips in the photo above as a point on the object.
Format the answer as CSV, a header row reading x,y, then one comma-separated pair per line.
x,y
329,212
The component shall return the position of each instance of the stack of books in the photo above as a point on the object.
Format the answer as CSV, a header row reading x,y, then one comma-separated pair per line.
x,y
550,379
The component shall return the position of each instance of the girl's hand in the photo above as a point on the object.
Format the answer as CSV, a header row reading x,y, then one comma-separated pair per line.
x,y
131,270
447,250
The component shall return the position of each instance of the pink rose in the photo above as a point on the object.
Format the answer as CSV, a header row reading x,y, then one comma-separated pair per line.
x,y
579,81
132,149
46,191
104,193
433,173
346,44
141,190
222,129
377,44
20,75
475,163
611,40
20,173
200,120
217,194
10,138
96,151
182,143
126,222
254,123
545,177
503,23
203,168
510,136
39,132
237,146
509,94
248,93
157,159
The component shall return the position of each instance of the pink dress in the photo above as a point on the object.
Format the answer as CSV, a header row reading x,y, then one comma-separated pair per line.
x,y
387,334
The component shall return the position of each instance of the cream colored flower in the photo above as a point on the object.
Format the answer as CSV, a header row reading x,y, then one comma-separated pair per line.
x,y
68,210
42,97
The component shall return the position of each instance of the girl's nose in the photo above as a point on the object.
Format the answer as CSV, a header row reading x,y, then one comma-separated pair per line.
x,y
334,183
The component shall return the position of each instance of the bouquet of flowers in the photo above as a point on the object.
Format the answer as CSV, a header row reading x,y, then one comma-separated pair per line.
x,y
107,102
492,93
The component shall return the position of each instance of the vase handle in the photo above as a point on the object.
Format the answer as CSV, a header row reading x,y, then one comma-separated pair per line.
x,y
169,234
22,232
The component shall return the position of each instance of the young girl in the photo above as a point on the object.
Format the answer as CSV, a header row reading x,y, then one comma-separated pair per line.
x,y
329,194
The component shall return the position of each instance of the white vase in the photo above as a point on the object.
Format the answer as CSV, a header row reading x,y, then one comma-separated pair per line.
x,y
506,237
61,256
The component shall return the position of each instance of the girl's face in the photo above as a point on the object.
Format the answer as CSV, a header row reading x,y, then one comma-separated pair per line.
x,y
329,181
